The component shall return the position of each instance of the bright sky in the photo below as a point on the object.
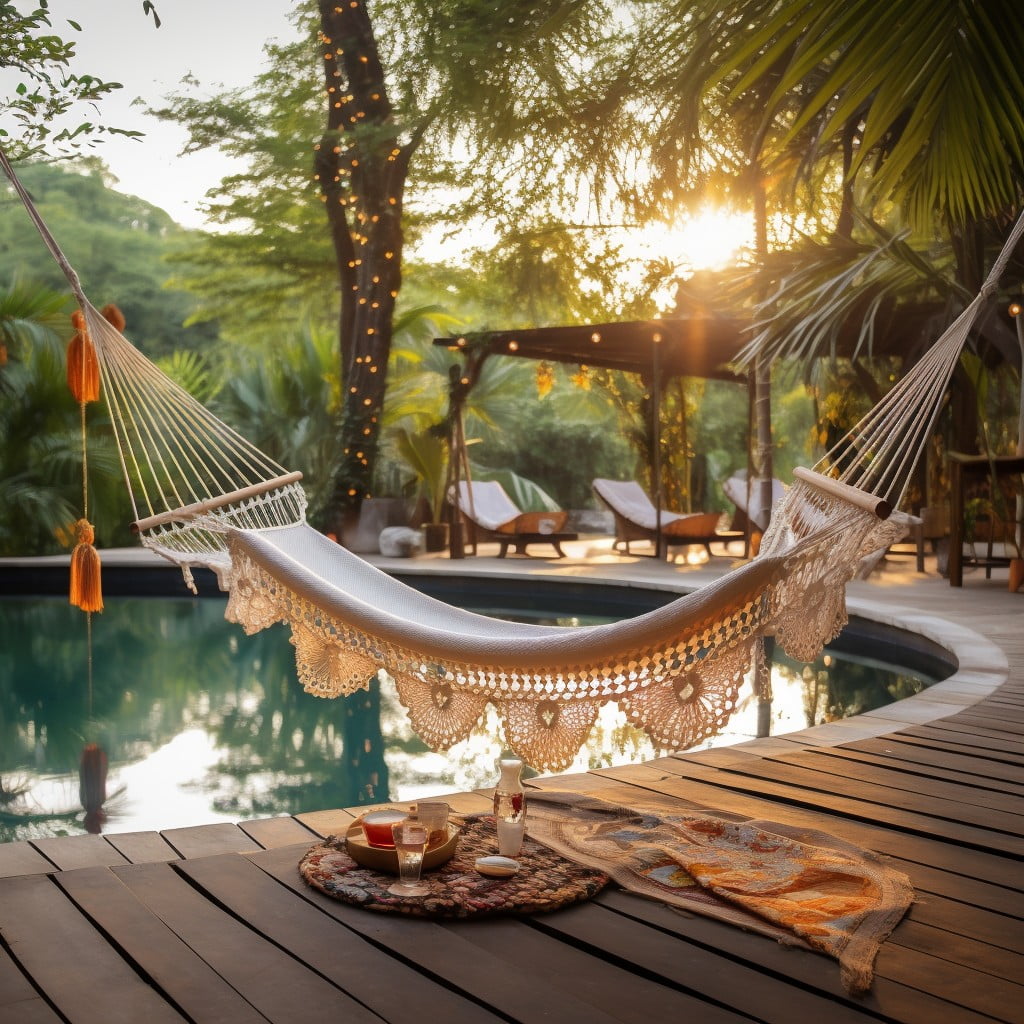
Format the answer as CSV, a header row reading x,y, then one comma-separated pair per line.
x,y
216,41
220,43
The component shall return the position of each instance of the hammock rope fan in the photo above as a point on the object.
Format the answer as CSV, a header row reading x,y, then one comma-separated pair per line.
x,y
204,496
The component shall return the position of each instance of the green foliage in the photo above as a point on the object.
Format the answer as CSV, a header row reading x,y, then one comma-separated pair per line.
x,y
40,438
117,244
38,113
287,407
279,267
426,454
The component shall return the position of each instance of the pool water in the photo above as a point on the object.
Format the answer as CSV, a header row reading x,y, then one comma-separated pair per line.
x,y
199,723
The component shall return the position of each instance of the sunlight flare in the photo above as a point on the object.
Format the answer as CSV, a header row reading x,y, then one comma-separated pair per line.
x,y
708,240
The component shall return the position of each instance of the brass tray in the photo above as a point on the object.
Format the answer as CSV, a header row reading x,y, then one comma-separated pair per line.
x,y
381,859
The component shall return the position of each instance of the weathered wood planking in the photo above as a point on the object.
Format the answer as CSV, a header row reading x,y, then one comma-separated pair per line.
x,y
449,953
157,952
207,840
396,991
68,959
271,980
22,858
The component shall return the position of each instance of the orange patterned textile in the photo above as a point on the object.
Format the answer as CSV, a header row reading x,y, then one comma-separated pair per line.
x,y
796,885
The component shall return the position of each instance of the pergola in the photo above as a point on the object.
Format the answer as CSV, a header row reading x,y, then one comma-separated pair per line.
x,y
658,350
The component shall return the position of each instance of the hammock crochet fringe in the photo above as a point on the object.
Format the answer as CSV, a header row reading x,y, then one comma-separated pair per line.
x,y
204,496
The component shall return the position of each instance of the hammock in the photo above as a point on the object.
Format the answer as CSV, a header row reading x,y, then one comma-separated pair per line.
x,y
203,495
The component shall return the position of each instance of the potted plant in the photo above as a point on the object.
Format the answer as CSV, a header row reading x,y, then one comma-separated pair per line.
x,y
426,454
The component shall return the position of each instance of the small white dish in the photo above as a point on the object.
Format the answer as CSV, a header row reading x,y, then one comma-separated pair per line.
x,y
497,867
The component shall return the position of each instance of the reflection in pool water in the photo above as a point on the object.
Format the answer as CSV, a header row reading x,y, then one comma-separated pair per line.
x,y
201,723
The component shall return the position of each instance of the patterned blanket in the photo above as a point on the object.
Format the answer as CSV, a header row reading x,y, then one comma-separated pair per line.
x,y
797,885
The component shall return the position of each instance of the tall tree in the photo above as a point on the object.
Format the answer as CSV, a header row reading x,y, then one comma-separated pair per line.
x,y
362,164
467,99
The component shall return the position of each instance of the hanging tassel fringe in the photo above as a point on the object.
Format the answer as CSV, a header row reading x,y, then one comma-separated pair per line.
x,y
83,366
86,590
113,316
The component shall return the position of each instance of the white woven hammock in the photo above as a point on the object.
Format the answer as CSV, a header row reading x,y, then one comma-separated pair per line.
x,y
202,495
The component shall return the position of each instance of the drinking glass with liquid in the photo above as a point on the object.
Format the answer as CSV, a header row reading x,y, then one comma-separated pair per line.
x,y
410,844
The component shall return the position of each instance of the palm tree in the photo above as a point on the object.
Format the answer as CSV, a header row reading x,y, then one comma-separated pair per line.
x,y
889,140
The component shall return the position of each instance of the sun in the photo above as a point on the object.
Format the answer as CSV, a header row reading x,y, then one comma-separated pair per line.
x,y
707,240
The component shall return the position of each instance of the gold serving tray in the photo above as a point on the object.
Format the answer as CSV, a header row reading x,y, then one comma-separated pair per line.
x,y
379,858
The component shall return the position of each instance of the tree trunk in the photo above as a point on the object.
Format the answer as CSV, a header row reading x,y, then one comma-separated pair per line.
x,y
764,467
361,167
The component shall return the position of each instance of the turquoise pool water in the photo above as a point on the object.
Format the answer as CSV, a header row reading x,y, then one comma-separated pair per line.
x,y
200,723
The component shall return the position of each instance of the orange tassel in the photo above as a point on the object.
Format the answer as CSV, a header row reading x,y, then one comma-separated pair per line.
x,y
113,316
83,367
86,590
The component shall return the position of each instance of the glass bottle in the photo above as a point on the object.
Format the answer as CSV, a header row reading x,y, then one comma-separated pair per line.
x,y
510,807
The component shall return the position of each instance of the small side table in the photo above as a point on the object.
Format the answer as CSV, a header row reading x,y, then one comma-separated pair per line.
x,y
963,470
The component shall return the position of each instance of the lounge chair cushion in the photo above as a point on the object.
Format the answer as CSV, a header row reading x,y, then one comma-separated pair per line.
x,y
486,503
631,502
492,509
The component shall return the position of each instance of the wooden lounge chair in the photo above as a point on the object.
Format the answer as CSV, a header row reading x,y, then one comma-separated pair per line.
x,y
636,518
743,494
490,514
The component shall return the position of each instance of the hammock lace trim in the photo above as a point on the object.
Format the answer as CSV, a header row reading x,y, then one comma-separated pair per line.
x,y
680,690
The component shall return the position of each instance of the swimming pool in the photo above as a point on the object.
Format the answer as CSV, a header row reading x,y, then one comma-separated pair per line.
x,y
201,723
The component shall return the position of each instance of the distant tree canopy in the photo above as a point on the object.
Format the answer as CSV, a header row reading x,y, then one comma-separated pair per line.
x,y
118,244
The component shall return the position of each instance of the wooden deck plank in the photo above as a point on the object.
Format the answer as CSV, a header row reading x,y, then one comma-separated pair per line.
x,y
1000,765
743,988
142,847
333,822
949,945
958,767
395,990
929,796
935,782
886,818
893,995
178,972
22,858
81,974
84,851
272,981
19,1000
964,736
272,832
208,840
444,953
628,996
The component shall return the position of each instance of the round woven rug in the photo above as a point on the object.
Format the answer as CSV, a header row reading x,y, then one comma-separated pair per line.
x,y
546,881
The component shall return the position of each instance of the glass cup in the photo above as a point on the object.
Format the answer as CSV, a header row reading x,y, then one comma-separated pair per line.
x,y
410,838
434,815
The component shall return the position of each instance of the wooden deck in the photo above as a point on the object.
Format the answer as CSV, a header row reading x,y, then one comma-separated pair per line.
x,y
213,924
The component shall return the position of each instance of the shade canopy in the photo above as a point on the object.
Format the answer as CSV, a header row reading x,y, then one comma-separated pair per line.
x,y
698,346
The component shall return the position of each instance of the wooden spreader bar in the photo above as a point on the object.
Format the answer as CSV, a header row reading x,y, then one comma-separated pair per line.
x,y
198,508
854,495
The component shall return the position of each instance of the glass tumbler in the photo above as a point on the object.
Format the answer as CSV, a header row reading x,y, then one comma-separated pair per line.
x,y
410,844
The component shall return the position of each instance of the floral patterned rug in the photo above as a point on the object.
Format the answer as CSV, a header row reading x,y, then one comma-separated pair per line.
x,y
797,885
